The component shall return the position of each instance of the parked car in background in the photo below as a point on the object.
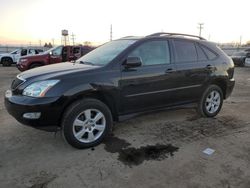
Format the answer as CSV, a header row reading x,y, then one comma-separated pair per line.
x,y
120,79
57,54
7,59
239,58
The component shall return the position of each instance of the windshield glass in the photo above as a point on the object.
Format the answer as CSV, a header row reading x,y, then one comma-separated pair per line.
x,y
15,52
105,53
51,49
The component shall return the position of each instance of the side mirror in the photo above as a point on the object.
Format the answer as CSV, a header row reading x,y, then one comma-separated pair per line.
x,y
132,62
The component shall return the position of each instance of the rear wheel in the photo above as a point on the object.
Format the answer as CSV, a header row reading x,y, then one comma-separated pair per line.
x,y
6,62
86,123
211,101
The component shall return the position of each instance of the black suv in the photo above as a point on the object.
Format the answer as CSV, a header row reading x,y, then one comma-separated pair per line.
x,y
118,79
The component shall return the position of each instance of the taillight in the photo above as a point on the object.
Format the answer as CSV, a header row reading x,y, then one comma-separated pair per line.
x,y
230,72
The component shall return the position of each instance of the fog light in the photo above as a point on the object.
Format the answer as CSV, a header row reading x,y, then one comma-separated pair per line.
x,y
8,94
32,115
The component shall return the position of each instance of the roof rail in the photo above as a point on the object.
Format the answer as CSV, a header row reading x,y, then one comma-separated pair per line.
x,y
174,34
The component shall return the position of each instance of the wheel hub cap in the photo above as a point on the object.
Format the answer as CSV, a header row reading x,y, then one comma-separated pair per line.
x,y
89,125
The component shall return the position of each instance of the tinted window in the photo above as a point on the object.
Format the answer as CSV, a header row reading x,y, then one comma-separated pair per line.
x,y
24,52
210,54
201,55
185,51
153,53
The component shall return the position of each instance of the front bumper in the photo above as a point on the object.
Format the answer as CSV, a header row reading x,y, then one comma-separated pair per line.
x,y
50,109
21,67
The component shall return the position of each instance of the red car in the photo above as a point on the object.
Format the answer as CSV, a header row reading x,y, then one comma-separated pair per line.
x,y
54,55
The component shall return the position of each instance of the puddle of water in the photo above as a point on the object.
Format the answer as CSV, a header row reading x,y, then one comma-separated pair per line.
x,y
135,156
114,144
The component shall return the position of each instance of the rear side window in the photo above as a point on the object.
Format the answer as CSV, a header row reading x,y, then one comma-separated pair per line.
x,y
152,53
185,51
210,54
201,54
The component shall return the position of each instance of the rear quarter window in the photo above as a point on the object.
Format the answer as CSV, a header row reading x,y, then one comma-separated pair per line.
x,y
210,53
185,51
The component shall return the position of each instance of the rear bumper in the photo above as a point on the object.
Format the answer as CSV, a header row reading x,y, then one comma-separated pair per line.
x,y
230,87
50,109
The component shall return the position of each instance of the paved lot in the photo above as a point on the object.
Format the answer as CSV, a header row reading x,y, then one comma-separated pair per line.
x,y
156,150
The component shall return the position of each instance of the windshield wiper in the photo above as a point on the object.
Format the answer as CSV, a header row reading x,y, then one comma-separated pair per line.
x,y
86,63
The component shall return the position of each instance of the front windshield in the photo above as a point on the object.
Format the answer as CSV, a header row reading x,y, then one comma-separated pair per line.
x,y
105,53
15,52
51,49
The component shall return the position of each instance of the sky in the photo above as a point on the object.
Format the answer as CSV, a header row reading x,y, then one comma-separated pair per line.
x,y
32,21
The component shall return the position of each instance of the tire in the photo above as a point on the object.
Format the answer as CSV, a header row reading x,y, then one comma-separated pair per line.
x,y
7,62
35,65
80,129
211,101
243,63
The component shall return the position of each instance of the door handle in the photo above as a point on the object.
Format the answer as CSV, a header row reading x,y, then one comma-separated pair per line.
x,y
170,70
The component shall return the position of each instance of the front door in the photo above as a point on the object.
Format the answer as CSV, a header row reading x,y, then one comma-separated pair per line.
x,y
56,55
147,87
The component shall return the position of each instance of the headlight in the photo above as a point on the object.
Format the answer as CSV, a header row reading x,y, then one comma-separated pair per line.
x,y
23,60
40,88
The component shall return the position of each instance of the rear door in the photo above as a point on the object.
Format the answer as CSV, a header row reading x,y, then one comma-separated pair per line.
x,y
148,86
193,68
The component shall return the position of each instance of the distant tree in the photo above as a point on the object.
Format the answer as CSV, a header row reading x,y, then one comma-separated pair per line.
x,y
87,43
46,45
50,45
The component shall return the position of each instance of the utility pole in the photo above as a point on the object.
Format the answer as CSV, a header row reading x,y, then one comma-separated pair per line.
x,y
53,42
200,27
40,43
111,32
73,37
240,40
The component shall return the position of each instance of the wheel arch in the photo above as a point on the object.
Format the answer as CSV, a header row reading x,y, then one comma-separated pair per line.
x,y
36,62
6,57
222,84
105,98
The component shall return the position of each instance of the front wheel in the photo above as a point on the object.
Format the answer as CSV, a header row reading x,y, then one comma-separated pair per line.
x,y
86,123
211,101
6,62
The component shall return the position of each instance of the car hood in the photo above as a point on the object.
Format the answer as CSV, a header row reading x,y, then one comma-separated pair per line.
x,y
34,56
55,70
4,54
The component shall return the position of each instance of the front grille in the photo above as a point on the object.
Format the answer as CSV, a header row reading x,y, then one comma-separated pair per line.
x,y
16,83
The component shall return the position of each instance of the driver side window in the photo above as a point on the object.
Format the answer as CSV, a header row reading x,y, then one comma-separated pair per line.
x,y
57,51
152,53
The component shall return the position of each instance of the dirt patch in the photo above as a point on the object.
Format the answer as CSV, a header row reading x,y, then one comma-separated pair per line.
x,y
198,128
42,180
133,156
